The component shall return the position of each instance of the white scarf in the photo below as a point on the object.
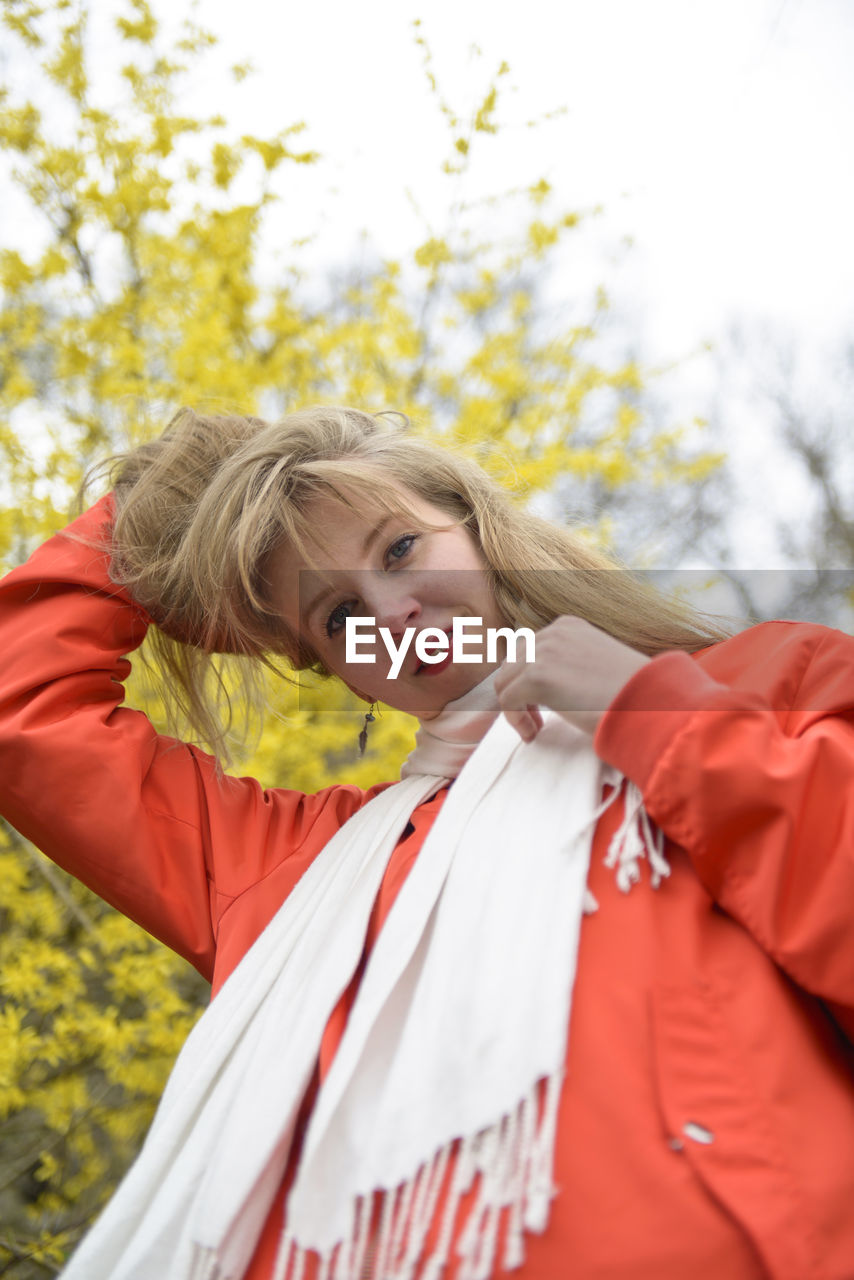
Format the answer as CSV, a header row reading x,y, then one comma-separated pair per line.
x,y
462,1013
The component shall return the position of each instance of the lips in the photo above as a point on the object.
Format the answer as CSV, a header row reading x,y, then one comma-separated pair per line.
x,y
434,668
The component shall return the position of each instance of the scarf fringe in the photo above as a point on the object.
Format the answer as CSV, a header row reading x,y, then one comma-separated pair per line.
x,y
205,1265
636,838
512,1164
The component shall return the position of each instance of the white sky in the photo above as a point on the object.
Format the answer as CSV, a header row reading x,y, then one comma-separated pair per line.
x,y
719,135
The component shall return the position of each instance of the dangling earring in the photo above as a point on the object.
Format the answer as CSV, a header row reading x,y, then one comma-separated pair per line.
x,y
363,736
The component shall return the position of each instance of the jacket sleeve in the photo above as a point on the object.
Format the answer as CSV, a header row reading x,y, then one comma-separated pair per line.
x,y
144,820
745,756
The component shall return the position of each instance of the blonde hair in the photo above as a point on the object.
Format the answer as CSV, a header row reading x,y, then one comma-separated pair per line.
x,y
200,510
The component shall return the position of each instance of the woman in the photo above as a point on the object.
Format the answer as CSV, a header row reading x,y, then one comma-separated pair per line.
x,y
456,1044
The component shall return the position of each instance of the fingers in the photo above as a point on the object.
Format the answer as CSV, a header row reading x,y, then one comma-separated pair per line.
x,y
527,722
513,693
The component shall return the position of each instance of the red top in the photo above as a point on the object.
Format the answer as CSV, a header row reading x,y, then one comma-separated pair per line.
x,y
706,1126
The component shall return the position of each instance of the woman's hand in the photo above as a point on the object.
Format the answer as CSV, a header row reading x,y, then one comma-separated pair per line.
x,y
578,671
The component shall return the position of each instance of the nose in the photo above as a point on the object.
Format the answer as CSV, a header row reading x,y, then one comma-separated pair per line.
x,y
390,598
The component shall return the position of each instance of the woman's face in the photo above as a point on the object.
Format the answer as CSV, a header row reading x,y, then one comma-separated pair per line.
x,y
402,573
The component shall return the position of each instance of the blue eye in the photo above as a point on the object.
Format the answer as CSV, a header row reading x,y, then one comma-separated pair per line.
x,y
337,619
400,549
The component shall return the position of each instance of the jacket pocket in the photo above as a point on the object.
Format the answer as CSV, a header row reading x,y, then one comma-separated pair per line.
x,y
715,1116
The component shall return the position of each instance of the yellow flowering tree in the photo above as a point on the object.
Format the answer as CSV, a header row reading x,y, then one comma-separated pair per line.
x,y
136,288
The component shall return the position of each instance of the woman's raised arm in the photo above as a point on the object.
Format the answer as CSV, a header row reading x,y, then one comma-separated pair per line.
x,y
144,820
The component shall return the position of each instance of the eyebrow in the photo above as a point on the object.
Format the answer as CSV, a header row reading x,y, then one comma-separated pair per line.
x,y
374,534
329,589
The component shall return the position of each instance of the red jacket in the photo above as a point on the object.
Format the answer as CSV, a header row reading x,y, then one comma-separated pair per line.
x,y
707,1120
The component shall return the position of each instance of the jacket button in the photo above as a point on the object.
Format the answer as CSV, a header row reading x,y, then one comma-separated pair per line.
x,y
698,1133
